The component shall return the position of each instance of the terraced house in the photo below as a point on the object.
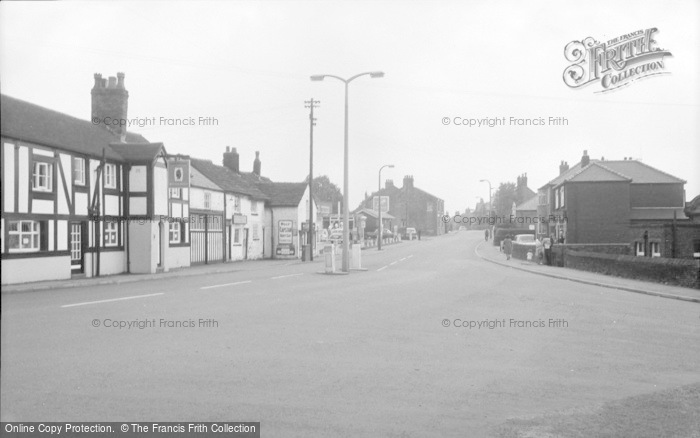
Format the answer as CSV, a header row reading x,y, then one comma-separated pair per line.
x,y
70,188
228,212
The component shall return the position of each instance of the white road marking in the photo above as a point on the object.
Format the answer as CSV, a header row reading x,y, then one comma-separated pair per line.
x,y
403,259
288,275
226,284
111,300
408,257
382,268
392,263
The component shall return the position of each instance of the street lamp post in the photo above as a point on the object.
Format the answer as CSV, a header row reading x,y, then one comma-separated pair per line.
x,y
490,205
346,201
380,233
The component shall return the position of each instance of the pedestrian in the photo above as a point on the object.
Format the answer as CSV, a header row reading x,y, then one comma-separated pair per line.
x,y
486,234
508,246
547,244
539,251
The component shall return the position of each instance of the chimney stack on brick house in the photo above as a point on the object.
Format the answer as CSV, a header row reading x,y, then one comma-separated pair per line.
x,y
110,103
256,163
389,184
408,182
563,167
585,159
231,159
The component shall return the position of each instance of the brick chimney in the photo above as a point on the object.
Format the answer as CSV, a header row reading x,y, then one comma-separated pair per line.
x,y
408,181
563,167
389,184
256,163
585,159
110,103
231,159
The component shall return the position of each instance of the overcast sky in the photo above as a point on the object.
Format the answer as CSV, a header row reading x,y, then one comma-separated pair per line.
x,y
248,65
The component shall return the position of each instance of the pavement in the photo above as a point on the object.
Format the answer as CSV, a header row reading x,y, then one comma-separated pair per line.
x,y
198,270
487,251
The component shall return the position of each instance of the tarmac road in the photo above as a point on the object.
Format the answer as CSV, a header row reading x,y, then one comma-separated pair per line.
x,y
385,352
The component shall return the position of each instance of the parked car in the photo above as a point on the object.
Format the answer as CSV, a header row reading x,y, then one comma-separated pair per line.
x,y
525,238
336,237
501,233
373,234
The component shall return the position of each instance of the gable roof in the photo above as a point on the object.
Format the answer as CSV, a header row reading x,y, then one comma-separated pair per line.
x,y
227,179
139,153
528,205
284,194
595,172
373,213
426,193
632,170
35,124
641,173
564,176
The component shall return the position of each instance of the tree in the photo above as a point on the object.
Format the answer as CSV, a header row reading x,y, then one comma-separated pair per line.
x,y
503,199
325,191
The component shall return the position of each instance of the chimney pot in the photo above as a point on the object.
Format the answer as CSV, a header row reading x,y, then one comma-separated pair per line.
x,y
231,159
110,102
256,163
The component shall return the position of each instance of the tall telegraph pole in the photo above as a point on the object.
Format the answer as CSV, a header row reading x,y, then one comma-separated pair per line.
x,y
312,122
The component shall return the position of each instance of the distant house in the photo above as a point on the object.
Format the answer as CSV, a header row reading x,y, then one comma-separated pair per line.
x,y
371,219
526,213
526,207
411,206
288,218
621,201
231,209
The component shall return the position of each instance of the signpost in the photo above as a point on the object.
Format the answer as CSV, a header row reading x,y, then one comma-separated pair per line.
x,y
285,238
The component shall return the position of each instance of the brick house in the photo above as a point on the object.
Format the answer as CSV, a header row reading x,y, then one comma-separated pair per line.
x,y
619,202
411,207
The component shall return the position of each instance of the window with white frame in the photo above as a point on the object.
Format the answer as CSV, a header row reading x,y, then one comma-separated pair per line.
x,y
176,193
174,230
556,198
255,232
42,180
110,176
655,249
23,236
561,193
79,170
253,207
237,236
237,204
111,234
207,200
639,248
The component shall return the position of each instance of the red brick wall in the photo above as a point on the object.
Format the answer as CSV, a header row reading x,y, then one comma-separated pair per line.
x,y
657,195
597,212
